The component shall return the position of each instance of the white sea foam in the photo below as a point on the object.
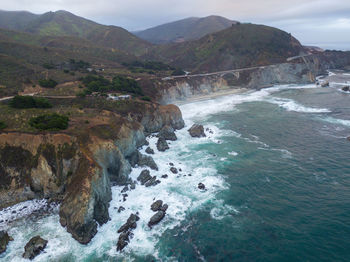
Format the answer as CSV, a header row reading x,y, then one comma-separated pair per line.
x,y
221,210
201,109
337,121
291,105
233,153
20,210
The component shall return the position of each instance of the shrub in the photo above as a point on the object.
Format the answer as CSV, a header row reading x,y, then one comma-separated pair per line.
x,y
2,125
146,98
50,122
29,102
119,83
178,72
47,83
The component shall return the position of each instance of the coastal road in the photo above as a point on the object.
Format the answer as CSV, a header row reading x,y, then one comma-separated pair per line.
x,y
233,70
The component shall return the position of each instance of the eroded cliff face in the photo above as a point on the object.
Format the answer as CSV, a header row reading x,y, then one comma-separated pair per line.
x,y
78,166
298,71
35,166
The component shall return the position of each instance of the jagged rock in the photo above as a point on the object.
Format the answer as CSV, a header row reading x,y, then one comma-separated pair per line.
x,y
142,160
152,182
162,145
121,209
346,88
4,240
173,170
164,208
130,223
34,247
123,240
156,206
147,161
125,189
156,218
144,176
167,132
149,151
197,131
201,186
165,176
124,197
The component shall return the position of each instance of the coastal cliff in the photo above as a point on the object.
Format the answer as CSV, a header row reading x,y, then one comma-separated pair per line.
x,y
77,167
301,70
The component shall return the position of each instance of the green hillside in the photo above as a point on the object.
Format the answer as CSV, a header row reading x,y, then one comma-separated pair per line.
x,y
185,29
16,20
63,23
239,46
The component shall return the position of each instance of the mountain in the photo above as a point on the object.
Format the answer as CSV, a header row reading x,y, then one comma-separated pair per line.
x,y
63,23
16,20
186,29
241,45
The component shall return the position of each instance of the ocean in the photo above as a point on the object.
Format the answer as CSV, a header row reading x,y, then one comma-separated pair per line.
x,y
275,164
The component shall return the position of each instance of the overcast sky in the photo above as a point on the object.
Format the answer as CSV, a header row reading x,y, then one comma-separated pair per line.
x,y
321,22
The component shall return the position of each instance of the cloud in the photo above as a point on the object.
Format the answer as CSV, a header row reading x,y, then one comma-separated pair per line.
x,y
310,20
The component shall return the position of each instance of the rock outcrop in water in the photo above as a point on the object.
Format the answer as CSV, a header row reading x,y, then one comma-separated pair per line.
x,y
197,131
4,240
126,231
78,166
167,133
34,247
162,145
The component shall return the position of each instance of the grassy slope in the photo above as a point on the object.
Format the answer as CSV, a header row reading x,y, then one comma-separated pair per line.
x,y
236,47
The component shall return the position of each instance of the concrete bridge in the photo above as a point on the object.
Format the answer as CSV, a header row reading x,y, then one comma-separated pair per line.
x,y
233,71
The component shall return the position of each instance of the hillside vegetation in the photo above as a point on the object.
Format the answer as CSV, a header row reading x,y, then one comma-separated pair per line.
x,y
185,29
63,23
241,45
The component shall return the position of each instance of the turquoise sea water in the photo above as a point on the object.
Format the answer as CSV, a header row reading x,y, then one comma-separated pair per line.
x,y
277,174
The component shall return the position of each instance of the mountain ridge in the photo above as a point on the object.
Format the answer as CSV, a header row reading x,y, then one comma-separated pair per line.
x,y
190,28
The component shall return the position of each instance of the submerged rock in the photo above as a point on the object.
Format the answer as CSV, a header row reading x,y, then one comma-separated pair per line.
x,y
197,131
144,177
201,186
346,88
34,247
156,218
121,209
130,223
149,151
156,206
325,84
162,145
173,170
4,240
168,133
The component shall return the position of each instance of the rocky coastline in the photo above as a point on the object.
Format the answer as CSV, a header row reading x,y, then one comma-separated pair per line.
x,y
78,171
303,70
